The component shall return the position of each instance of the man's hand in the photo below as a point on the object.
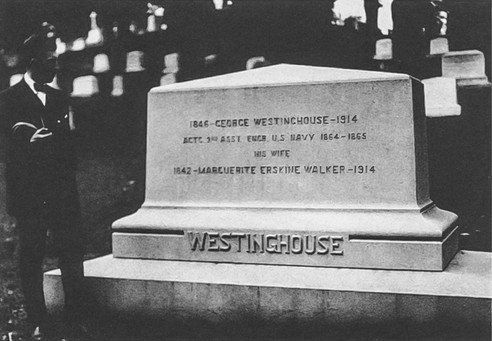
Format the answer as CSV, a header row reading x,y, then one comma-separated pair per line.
x,y
40,135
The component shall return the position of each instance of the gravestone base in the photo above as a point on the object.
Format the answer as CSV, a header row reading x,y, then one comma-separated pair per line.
x,y
443,110
468,67
289,295
424,239
473,82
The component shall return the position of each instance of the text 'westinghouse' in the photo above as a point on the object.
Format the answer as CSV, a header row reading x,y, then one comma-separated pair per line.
x,y
266,243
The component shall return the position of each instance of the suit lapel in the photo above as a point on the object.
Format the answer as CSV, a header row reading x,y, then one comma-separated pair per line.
x,y
33,105
26,95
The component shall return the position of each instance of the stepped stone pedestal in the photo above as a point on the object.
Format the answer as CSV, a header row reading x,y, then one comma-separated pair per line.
x,y
289,165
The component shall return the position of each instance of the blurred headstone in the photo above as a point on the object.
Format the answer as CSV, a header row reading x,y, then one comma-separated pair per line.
x,y
117,86
101,63
85,86
171,63
468,67
385,17
61,47
133,27
438,46
219,4
134,61
155,18
94,36
14,79
159,17
441,97
345,9
222,4
78,44
151,23
384,49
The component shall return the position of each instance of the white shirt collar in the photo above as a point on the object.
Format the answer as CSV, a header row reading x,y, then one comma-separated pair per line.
x,y
30,82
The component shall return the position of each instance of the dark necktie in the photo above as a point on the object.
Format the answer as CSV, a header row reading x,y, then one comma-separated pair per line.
x,y
40,87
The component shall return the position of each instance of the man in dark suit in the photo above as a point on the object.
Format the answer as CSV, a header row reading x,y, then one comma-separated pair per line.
x,y
41,185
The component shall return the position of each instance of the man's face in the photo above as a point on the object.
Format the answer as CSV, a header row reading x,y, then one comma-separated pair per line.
x,y
43,67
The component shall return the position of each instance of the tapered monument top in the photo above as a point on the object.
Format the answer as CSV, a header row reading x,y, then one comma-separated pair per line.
x,y
282,74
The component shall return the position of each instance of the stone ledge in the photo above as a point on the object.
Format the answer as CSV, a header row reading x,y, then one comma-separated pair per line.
x,y
397,239
221,292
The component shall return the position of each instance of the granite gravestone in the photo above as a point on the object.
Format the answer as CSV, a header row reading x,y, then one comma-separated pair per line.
x,y
289,165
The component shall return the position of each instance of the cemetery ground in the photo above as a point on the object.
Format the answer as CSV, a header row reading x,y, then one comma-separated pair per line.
x,y
111,140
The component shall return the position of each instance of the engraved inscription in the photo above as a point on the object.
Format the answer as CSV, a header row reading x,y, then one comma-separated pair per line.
x,y
333,129
273,169
273,243
275,121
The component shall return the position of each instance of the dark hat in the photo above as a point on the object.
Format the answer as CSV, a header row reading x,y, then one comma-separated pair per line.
x,y
44,40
